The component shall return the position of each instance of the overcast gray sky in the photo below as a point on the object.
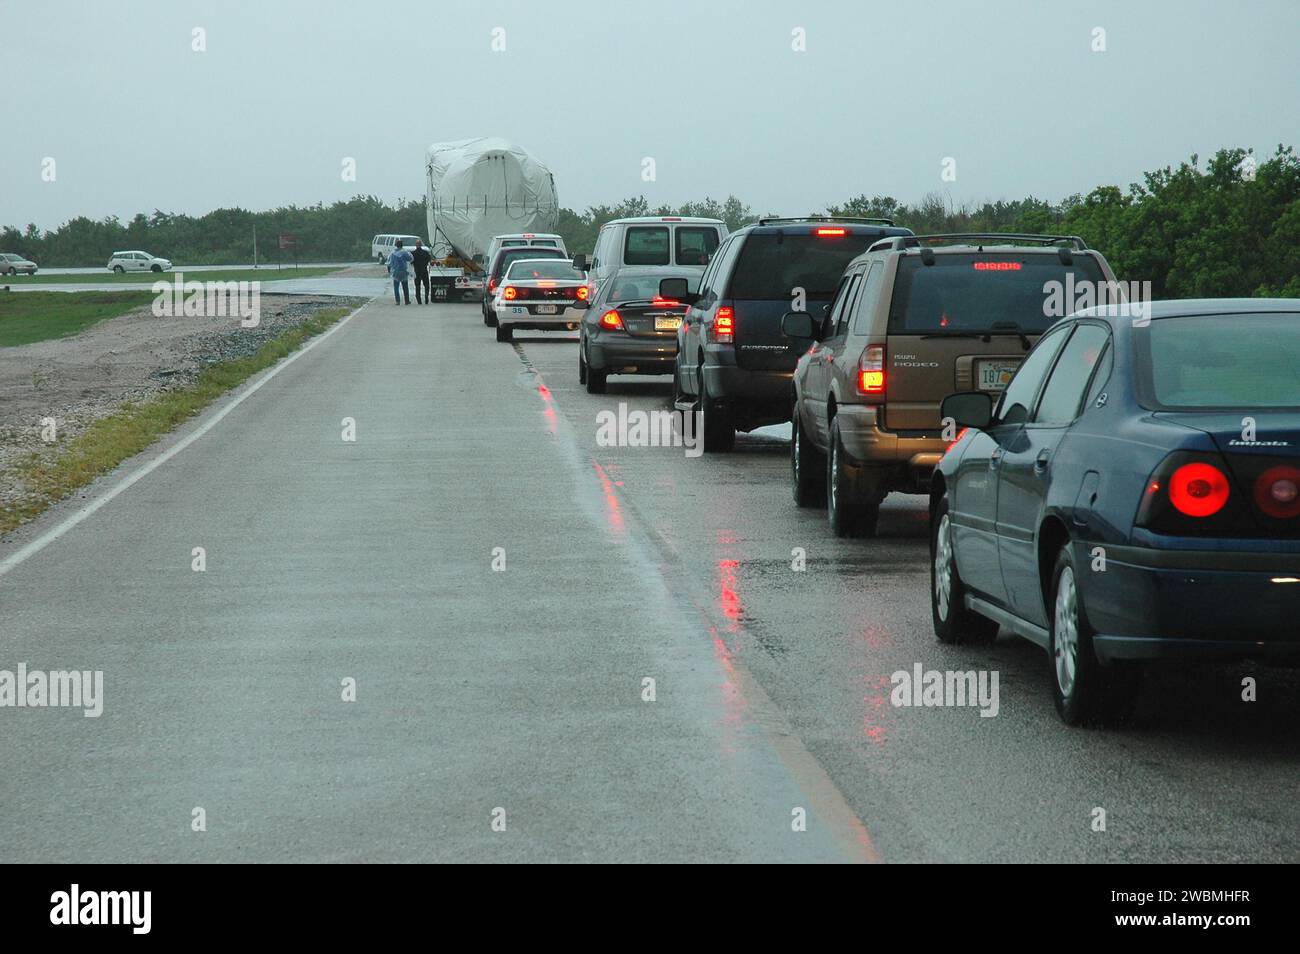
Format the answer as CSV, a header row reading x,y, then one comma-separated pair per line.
x,y
135,119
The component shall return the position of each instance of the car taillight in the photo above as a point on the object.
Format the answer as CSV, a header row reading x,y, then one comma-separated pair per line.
x,y
1198,489
492,284
724,325
510,293
871,370
659,302
612,321
830,232
583,293
1277,492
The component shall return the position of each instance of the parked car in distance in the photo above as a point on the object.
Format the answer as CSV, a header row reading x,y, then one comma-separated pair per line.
x,y
1133,494
910,323
539,293
652,240
631,325
137,261
13,264
522,239
734,364
497,268
381,246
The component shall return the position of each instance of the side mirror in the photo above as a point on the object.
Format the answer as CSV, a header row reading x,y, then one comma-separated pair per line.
x,y
674,288
798,324
581,304
968,409
580,262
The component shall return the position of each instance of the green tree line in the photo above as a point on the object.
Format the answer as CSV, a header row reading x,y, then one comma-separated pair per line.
x,y
1230,228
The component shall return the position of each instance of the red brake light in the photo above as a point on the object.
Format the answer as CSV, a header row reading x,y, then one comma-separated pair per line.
x,y
612,321
830,231
724,325
659,302
1277,492
1198,490
509,294
996,266
583,292
492,284
871,370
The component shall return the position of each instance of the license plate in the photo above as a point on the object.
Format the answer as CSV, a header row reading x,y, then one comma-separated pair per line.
x,y
994,375
667,324
547,310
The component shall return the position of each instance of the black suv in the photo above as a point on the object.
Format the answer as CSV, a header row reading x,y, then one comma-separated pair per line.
x,y
734,365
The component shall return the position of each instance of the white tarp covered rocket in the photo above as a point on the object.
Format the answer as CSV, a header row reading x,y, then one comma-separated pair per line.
x,y
479,188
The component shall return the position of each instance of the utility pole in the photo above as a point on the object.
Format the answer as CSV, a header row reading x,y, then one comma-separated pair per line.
x,y
255,245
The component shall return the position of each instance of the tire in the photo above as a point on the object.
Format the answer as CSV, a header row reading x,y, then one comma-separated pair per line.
x,y
807,466
155,268
119,269
582,364
850,512
505,333
679,396
719,432
13,271
953,622
1085,691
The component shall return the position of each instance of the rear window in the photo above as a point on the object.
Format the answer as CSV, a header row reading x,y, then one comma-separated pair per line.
x,y
514,254
695,246
1224,361
560,270
983,292
513,243
772,266
643,287
646,246
547,242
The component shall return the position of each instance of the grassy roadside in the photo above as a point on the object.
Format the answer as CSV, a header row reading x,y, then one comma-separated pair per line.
x,y
113,439
39,316
265,274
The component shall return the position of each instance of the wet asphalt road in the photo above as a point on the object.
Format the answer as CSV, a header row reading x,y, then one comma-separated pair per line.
x,y
523,690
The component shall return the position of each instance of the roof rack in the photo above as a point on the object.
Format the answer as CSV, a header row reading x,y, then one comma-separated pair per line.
x,y
982,238
781,220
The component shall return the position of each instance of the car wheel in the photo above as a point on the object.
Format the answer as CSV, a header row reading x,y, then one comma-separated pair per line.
x,y
807,466
505,333
582,364
719,431
13,271
953,622
155,268
850,514
1085,691
679,395
119,269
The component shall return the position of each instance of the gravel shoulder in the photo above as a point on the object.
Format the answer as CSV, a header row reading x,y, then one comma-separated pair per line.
x,y
80,379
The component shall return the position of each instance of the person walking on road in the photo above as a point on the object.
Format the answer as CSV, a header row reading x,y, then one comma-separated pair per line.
x,y
399,259
421,259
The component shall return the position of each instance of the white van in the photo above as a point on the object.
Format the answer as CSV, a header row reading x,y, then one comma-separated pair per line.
x,y
520,239
381,245
648,240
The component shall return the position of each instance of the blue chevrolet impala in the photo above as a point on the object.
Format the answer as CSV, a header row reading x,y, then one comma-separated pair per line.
x,y
1133,494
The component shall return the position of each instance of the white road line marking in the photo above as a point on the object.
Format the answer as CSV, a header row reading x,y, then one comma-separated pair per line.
x,y
45,539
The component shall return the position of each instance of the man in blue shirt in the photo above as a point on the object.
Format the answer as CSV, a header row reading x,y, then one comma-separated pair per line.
x,y
399,261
